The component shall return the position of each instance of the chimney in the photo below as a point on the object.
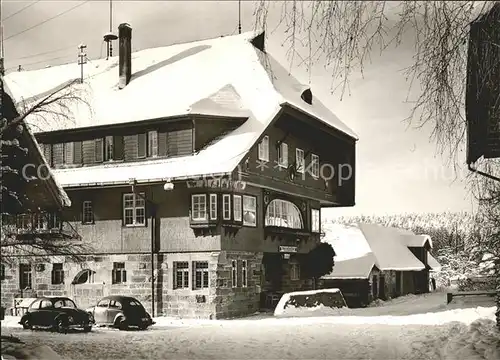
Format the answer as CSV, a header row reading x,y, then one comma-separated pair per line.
x,y
125,54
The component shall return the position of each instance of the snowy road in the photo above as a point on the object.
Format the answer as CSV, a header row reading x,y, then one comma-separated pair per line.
x,y
409,328
309,341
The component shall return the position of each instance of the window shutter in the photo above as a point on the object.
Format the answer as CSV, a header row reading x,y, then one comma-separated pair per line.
x,y
77,152
68,153
98,150
58,154
118,149
141,145
162,144
47,153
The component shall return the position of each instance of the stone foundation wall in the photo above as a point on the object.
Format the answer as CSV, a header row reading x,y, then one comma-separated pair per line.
x,y
238,301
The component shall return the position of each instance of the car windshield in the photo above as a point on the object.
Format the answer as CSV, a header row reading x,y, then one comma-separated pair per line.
x,y
64,303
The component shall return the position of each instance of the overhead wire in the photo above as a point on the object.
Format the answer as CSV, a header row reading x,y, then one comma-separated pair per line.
x,y
46,21
45,53
21,10
40,61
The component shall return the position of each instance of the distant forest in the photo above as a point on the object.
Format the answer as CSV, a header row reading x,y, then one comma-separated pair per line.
x,y
455,231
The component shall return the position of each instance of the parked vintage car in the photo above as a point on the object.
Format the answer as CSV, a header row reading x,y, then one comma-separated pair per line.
x,y
121,312
57,313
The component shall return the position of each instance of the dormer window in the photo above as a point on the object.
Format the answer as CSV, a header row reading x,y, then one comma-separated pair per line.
x,y
283,155
264,149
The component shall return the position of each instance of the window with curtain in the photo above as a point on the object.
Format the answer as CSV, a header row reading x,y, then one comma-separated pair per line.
x,y
283,213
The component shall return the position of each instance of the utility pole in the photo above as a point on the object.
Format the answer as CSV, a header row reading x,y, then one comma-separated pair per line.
x,y
239,16
2,66
82,60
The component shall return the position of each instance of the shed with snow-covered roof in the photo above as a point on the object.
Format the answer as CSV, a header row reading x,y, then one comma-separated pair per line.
x,y
377,261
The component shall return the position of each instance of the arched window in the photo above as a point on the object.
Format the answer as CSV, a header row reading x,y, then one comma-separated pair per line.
x,y
84,277
283,213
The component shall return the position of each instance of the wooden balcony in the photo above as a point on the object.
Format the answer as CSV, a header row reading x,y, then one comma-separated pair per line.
x,y
44,225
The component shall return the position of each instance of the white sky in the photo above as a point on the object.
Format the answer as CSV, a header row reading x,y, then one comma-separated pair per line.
x,y
397,167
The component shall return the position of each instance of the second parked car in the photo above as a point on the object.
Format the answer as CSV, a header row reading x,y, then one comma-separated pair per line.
x,y
121,312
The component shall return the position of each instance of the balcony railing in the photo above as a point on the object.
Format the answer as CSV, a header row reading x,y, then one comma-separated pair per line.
x,y
41,224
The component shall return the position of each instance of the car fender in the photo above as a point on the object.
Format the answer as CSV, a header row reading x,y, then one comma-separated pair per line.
x,y
24,317
61,315
120,314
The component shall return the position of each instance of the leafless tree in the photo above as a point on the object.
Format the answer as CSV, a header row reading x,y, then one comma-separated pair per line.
x,y
55,105
345,34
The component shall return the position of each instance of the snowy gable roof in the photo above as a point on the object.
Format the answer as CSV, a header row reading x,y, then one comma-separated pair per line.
x,y
225,76
389,249
433,263
356,268
347,241
413,240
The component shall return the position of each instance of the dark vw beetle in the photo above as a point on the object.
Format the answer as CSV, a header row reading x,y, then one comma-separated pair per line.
x,y
58,313
121,312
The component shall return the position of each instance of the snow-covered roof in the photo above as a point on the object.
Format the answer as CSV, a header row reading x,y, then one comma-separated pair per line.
x,y
359,248
347,241
389,249
173,81
59,195
433,263
357,268
412,240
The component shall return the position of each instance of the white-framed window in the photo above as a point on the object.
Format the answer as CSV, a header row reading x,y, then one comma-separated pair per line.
x,y
199,207
237,208
315,166
134,209
315,220
244,273
294,271
249,210
98,149
84,277
181,274
108,148
200,273
283,155
264,149
119,273
226,207
299,160
87,213
283,213
213,206
234,273
152,143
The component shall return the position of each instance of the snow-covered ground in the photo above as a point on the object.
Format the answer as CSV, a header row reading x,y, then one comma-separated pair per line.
x,y
434,333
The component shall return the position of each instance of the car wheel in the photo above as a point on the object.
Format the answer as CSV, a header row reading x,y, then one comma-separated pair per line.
x,y
87,329
61,326
27,324
121,323
143,327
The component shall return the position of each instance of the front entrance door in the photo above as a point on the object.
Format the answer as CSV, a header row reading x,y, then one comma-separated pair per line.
x,y
381,287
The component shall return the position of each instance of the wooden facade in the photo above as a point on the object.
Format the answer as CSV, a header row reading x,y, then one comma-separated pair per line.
x,y
205,240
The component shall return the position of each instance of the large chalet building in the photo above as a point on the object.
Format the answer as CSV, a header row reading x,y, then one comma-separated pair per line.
x,y
197,173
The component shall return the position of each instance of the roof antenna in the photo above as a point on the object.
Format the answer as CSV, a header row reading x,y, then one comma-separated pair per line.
x,y
108,37
239,16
